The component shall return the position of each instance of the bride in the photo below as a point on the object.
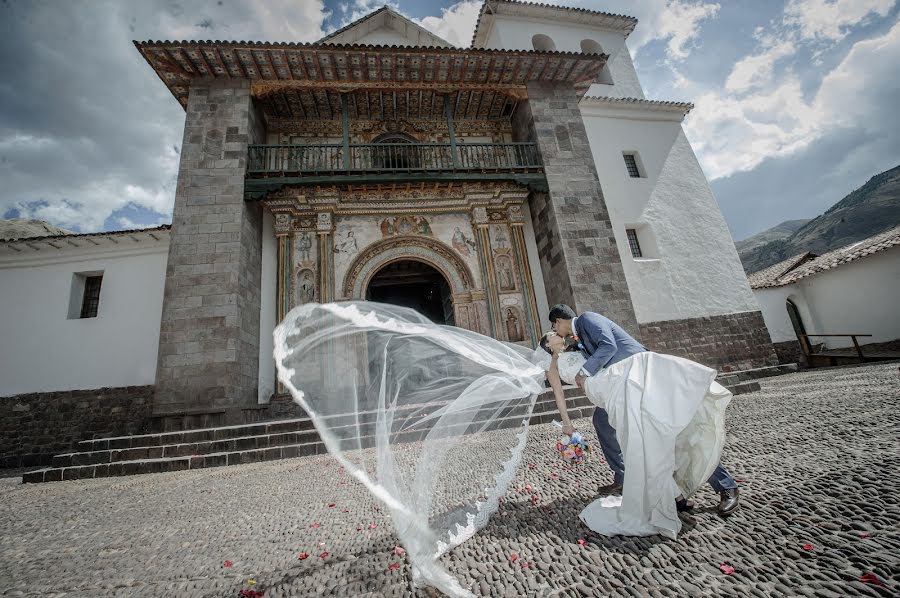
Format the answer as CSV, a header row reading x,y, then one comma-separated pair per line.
x,y
669,416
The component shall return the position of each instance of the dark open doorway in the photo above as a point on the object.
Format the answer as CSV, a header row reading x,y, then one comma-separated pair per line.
x,y
414,284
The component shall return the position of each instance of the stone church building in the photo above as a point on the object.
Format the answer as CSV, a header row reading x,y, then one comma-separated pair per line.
x,y
478,185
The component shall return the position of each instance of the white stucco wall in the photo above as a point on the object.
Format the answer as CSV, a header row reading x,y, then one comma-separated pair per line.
x,y
534,264
515,33
41,349
690,267
267,308
859,297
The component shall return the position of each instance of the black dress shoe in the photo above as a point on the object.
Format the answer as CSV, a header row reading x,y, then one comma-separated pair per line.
x,y
729,502
614,488
684,505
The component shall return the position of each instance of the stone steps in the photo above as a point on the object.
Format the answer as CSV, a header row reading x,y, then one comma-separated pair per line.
x,y
215,447
744,381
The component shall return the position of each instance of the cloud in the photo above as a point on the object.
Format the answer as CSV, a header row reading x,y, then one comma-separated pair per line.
x,y
736,132
456,24
831,20
86,127
756,70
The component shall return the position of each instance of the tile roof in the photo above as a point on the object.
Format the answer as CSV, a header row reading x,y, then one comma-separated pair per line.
x,y
76,236
682,107
769,276
827,261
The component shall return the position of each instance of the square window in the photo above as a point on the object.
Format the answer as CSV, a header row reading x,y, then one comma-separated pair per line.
x,y
631,164
633,242
91,300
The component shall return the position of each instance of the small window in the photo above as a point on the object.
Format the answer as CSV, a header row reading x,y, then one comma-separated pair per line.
x,y
631,163
91,300
633,242
543,43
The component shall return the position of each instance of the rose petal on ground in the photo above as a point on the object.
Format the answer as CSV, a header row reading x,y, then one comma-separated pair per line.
x,y
316,525
399,551
372,526
393,566
324,555
726,568
871,578
331,505
227,564
807,547
581,541
303,555
513,557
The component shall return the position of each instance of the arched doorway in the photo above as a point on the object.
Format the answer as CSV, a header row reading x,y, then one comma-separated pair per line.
x,y
413,284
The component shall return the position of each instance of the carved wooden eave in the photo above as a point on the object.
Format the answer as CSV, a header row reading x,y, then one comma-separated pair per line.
x,y
275,67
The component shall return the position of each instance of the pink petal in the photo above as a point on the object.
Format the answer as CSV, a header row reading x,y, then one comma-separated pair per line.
x,y
513,556
227,564
372,526
807,547
399,551
871,578
581,541
726,568
316,525
393,566
303,555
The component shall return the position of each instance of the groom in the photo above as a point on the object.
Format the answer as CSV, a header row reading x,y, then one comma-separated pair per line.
x,y
604,343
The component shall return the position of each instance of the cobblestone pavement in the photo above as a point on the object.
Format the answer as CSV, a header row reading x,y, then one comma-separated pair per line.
x,y
816,453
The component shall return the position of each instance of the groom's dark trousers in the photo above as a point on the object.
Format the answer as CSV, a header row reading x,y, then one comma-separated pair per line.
x,y
604,343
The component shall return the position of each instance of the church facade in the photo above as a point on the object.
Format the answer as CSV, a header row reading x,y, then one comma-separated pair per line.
x,y
478,185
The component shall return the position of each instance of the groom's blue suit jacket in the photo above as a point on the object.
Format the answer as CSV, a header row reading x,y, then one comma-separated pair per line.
x,y
604,342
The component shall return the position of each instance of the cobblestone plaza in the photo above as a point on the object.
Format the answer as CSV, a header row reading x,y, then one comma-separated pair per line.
x,y
815,453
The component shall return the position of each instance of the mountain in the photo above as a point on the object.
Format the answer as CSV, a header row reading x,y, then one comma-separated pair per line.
x,y
867,211
23,229
776,233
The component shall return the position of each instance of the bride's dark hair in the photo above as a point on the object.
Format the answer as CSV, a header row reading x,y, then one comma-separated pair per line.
x,y
545,344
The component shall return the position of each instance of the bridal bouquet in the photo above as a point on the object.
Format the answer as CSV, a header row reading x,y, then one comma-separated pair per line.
x,y
572,448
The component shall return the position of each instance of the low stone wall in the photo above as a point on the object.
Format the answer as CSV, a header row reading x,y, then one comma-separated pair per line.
x,y
789,352
728,343
34,427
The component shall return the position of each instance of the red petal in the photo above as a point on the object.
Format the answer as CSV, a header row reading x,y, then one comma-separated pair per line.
x,y
346,511
807,547
871,578
394,566
331,505
372,526
324,555
513,556
581,541
227,564
726,568
399,551
528,488
316,525
525,565
865,535
303,555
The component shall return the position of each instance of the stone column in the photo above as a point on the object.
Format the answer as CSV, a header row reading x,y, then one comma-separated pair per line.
x,y
579,257
480,224
517,223
284,238
209,333
324,230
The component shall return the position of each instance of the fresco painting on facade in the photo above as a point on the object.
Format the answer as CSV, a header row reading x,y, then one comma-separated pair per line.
x,y
462,243
405,225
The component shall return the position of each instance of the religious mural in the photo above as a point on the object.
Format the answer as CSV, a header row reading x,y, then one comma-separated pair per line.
x,y
405,225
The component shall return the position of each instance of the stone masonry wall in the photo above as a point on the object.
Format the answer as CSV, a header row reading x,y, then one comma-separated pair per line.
x,y
209,337
731,342
579,257
34,427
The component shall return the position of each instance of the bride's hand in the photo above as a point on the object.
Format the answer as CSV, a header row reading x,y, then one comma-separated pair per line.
x,y
568,429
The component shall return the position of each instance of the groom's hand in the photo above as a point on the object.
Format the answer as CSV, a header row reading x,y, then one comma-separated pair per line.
x,y
579,380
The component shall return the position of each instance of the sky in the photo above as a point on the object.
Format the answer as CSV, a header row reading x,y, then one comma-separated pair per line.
x,y
795,100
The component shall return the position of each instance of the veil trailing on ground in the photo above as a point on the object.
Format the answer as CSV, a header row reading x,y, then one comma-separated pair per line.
x,y
431,419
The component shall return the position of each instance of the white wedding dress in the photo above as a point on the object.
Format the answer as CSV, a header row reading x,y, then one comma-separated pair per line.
x,y
669,417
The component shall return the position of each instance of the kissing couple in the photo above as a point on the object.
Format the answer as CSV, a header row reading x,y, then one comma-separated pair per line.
x,y
660,421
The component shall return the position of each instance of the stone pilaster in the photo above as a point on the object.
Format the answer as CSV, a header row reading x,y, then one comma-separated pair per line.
x,y
516,219
579,257
325,233
209,334
480,224
284,238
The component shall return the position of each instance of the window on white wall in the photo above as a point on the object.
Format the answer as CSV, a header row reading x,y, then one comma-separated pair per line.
x,y
84,299
634,243
589,46
543,43
633,165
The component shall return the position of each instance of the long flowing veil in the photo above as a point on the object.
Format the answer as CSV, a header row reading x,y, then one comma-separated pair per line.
x,y
431,419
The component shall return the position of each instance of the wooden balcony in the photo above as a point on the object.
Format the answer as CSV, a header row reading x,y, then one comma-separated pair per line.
x,y
272,166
